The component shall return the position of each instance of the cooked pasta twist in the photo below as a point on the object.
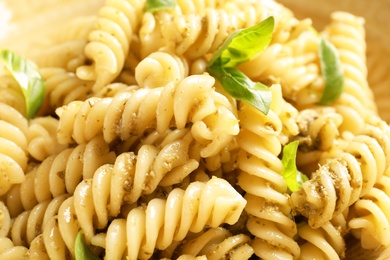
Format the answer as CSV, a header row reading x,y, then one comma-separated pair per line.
x,y
42,138
349,175
9,251
61,87
159,69
260,177
13,147
318,133
5,220
164,221
130,177
59,174
294,65
11,94
29,224
66,55
356,103
217,243
197,34
325,242
371,220
347,33
192,100
108,45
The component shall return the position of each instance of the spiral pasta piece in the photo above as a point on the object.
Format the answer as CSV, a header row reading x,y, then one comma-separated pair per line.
x,y
108,45
294,65
192,100
165,221
13,147
318,134
11,94
67,55
5,220
58,174
356,103
130,177
37,249
29,224
159,69
267,203
371,220
8,251
346,176
61,87
325,242
197,34
42,138
217,243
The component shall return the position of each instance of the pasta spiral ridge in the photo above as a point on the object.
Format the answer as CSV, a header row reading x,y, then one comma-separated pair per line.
x,y
159,69
325,242
268,205
347,33
371,220
217,243
197,34
10,251
131,176
192,100
108,45
13,147
212,203
318,134
29,224
356,103
59,174
297,70
67,55
61,87
42,138
345,175
11,94
5,220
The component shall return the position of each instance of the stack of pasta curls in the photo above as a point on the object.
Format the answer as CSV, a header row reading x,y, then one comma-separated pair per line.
x,y
139,150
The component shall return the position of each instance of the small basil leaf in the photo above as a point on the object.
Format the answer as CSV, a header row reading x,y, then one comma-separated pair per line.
x,y
243,44
239,86
29,79
291,175
332,72
159,5
81,250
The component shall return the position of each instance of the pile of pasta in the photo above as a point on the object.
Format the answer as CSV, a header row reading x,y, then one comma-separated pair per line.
x,y
141,149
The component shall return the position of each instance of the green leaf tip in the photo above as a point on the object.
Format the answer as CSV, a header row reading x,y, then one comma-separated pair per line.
x,y
28,78
159,5
332,72
293,178
241,46
81,250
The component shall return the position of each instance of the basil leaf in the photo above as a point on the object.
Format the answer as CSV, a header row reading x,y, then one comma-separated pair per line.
x,y
239,86
81,250
291,175
159,5
332,72
29,79
243,44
